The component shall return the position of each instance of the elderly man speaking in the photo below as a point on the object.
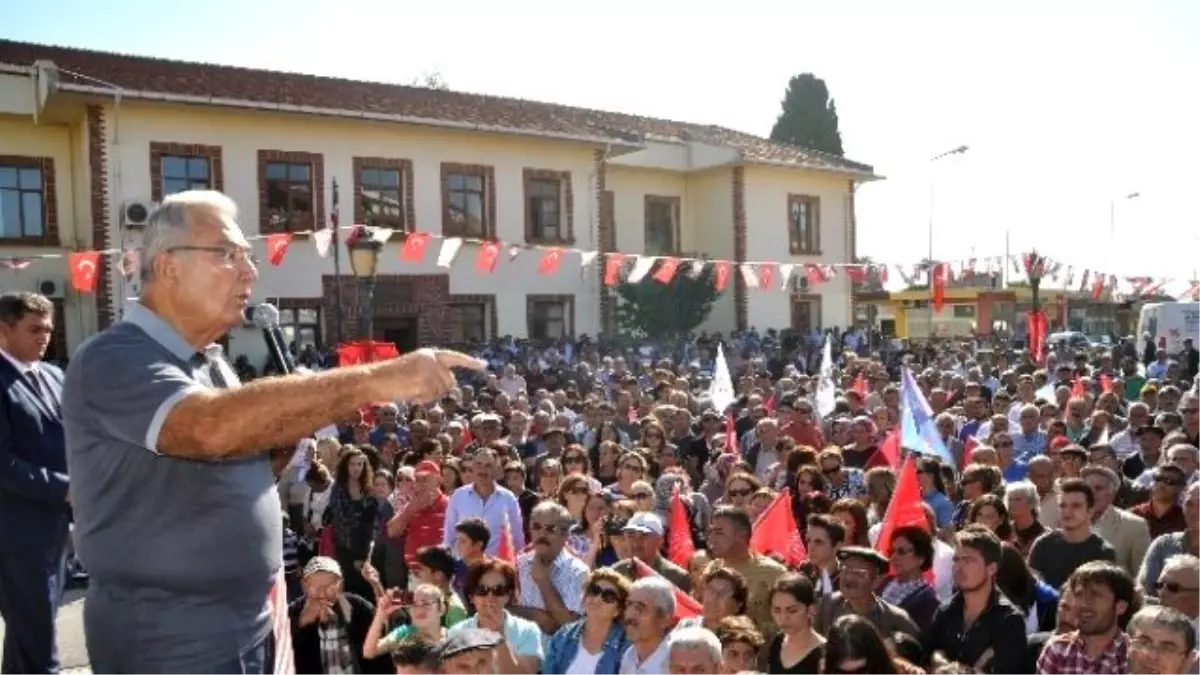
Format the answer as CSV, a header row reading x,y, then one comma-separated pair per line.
x,y
177,516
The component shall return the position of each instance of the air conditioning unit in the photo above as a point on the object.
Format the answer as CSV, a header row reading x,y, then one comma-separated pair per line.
x,y
52,287
135,213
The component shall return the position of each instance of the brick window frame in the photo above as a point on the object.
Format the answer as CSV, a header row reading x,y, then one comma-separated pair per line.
x,y
566,300
295,304
676,206
160,149
49,235
450,228
811,244
316,162
405,167
566,206
491,315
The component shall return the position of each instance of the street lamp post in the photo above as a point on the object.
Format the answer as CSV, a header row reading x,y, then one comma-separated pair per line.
x,y
962,149
364,251
1112,213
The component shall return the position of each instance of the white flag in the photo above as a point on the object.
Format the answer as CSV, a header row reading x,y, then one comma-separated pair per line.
x,y
826,397
450,249
640,268
721,391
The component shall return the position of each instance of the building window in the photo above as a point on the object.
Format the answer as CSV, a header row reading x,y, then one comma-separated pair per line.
x,y
383,188
964,311
175,167
301,326
468,322
662,225
290,191
181,173
551,316
22,199
548,207
804,224
469,204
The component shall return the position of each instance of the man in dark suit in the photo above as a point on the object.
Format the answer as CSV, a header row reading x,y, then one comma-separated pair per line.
x,y
34,499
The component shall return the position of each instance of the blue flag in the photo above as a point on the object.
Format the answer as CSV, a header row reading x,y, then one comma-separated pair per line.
x,y
918,428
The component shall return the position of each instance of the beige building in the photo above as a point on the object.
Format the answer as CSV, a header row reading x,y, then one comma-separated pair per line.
x,y
87,138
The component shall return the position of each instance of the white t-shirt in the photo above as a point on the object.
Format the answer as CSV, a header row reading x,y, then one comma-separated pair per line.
x,y
585,662
655,663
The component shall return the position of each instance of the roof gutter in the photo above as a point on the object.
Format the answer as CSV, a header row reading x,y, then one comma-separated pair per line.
x,y
337,112
857,174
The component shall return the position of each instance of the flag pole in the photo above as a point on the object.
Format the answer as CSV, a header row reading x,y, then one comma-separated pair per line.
x,y
337,267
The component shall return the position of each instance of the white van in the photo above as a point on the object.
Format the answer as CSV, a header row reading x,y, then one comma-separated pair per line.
x,y
1175,321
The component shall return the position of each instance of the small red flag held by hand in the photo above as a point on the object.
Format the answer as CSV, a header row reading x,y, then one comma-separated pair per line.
x,y
507,550
890,450
1106,384
905,508
776,533
860,384
680,546
685,605
1078,388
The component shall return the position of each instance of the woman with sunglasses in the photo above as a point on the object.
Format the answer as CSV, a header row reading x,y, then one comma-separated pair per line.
x,y
911,555
631,468
549,477
426,619
573,494
575,460
738,488
595,643
853,645
492,588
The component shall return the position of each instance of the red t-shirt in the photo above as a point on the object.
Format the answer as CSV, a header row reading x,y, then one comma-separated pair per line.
x,y
425,527
808,435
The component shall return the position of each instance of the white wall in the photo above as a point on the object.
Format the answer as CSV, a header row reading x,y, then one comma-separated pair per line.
x,y
767,190
710,201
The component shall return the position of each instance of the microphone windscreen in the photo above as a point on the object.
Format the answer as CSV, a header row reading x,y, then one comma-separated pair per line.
x,y
265,315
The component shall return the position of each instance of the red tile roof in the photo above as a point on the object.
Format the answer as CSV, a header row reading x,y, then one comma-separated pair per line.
x,y
139,73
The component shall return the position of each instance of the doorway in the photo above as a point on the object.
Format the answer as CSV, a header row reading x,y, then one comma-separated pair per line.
x,y
401,331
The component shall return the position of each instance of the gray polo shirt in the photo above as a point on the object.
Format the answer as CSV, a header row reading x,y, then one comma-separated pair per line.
x,y
182,554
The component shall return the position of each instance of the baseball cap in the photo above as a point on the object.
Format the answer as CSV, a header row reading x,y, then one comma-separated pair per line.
x,y
466,640
646,523
323,563
426,467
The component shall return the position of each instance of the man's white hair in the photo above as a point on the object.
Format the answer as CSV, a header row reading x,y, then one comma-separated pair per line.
x,y
661,591
168,222
1024,489
554,509
695,637
1184,561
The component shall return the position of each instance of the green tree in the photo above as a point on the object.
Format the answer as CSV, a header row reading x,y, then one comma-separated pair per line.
x,y
666,311
809,117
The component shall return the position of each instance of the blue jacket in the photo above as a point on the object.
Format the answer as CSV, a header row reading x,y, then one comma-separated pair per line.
x,y
564,645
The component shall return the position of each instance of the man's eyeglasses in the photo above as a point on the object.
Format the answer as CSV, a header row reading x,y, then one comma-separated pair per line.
x,y
642,495
1167,480
606,594
229,255
497,591
1176,587
538,527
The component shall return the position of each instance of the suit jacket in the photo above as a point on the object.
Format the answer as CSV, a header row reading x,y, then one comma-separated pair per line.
x,y
1127,533
34,514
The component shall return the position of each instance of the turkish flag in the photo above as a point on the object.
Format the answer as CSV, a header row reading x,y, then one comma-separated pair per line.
x,y
722,271
939,286
85,270
489,253
1078,388
507,550
860,384
551,262
776,533
815,275
680,546
612,268
857,273
969,451
904,509
890,450
1036,322
685,605
666,270
1098,287
766,276
731,444
414,247
277,247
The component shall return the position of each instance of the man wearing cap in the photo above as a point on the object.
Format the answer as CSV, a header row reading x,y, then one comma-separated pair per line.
x,y
644,532
422,520
860,569
469,651
1127,533
329,626
1149,438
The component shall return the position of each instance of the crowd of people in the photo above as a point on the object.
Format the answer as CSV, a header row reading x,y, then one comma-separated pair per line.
x,y
523,523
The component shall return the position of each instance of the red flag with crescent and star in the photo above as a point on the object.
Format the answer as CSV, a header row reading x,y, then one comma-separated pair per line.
x,y
722,271
489,254
414,247
551,262
612,268
277,247
85,268
666,270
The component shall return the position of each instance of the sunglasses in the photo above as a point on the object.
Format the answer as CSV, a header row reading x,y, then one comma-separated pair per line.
x,y
1176,587
581,490
902,550
1003,445
738,493
642,495
497,591
574,460
632,467
1167,480
538,527
604,593
831,469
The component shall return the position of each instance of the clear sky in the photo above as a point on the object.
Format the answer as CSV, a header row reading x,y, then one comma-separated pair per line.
x,y
1065,105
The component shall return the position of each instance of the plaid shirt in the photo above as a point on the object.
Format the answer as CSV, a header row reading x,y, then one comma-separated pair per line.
x,y
335,648
1066,654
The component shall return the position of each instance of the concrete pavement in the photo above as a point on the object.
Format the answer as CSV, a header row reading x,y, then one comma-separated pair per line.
x,y
72,650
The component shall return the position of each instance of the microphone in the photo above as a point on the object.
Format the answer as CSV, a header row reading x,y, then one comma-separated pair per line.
x,y
266,317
